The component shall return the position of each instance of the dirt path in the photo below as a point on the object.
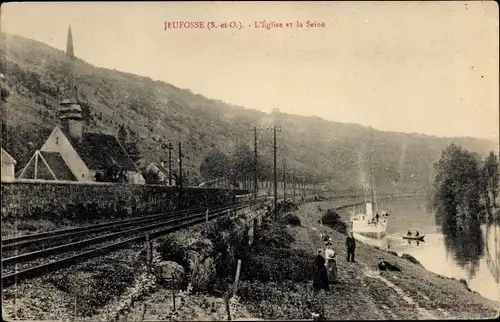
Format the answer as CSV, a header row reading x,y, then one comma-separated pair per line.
x,y
366,293
363,302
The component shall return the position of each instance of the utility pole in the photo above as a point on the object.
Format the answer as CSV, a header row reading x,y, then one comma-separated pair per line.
x,y
284,180
293,184
180,165
275,178
170,147
255,186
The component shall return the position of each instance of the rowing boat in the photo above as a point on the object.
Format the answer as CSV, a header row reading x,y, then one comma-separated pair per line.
x,y
414,237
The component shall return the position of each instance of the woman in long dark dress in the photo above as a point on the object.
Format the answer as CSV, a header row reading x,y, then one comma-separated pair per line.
x,y
320,274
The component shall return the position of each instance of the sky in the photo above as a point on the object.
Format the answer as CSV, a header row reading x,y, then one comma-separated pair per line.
x,y
425,67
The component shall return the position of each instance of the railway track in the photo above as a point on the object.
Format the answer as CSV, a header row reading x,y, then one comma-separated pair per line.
x,y
41,252
38,262
25,241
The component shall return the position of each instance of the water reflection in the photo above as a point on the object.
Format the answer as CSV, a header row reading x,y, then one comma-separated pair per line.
x,y
418,242
464,240
492,238
467,250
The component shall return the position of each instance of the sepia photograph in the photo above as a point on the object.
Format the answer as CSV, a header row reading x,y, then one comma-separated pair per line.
x,y
250,161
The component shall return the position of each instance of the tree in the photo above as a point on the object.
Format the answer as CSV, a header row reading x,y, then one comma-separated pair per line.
x,y
4,92
264,168
122,134
457,182
483,186
151,177
111,173
215,165
242,162
491,169
132,147
128,139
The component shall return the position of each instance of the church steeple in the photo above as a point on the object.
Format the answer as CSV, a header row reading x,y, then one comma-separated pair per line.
x,y
70,112
69,44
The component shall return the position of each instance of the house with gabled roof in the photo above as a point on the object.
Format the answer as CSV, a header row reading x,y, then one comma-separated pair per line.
x,y
69,154
162,171
8,164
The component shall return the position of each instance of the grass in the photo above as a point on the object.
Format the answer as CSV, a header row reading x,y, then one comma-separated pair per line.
x,y
83,289
12,228
280,301
94,283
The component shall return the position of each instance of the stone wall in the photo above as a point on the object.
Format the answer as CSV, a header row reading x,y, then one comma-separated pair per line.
x,y
34,200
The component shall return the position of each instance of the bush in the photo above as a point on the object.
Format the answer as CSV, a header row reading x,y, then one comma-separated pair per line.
x,y
292,219
203,275
170,269
279,264
332,219
286,206
171,250
281,301
272,235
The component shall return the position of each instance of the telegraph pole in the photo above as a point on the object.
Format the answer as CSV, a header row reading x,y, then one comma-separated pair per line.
x,y
293,184
275,178
255,186
180,165
284,180
170,147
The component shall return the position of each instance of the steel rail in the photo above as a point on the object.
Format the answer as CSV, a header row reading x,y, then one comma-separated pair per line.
x,y
12,278
8,241
82,243
115,225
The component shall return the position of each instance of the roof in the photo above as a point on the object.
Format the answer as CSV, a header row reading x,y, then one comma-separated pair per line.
x,y
58,166
6,158
102,150
161,168
49,166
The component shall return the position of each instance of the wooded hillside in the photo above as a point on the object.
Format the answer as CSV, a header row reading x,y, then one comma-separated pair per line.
x,y
156,112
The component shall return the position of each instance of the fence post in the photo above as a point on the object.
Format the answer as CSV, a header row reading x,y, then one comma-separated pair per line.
x,y
76,314
228,308
149,253
206,222
173,290
236,279
232,291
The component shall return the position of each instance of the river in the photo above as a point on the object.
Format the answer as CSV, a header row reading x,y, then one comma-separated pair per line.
x,y
468,253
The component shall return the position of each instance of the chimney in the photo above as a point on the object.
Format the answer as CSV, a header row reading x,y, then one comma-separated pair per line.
x,y
71,118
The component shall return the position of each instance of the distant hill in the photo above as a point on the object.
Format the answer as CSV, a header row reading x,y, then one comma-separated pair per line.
x,y
159,112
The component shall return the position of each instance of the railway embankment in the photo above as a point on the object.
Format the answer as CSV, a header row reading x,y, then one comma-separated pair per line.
x,y
101,288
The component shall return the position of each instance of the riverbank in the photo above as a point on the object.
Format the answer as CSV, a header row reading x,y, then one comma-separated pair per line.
x,y
367,293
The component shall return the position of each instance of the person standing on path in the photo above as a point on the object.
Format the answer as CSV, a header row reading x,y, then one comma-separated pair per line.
x,y
350,243
320,273
331,262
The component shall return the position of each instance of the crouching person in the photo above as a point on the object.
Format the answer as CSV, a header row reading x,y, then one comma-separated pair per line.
x,y
331,262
